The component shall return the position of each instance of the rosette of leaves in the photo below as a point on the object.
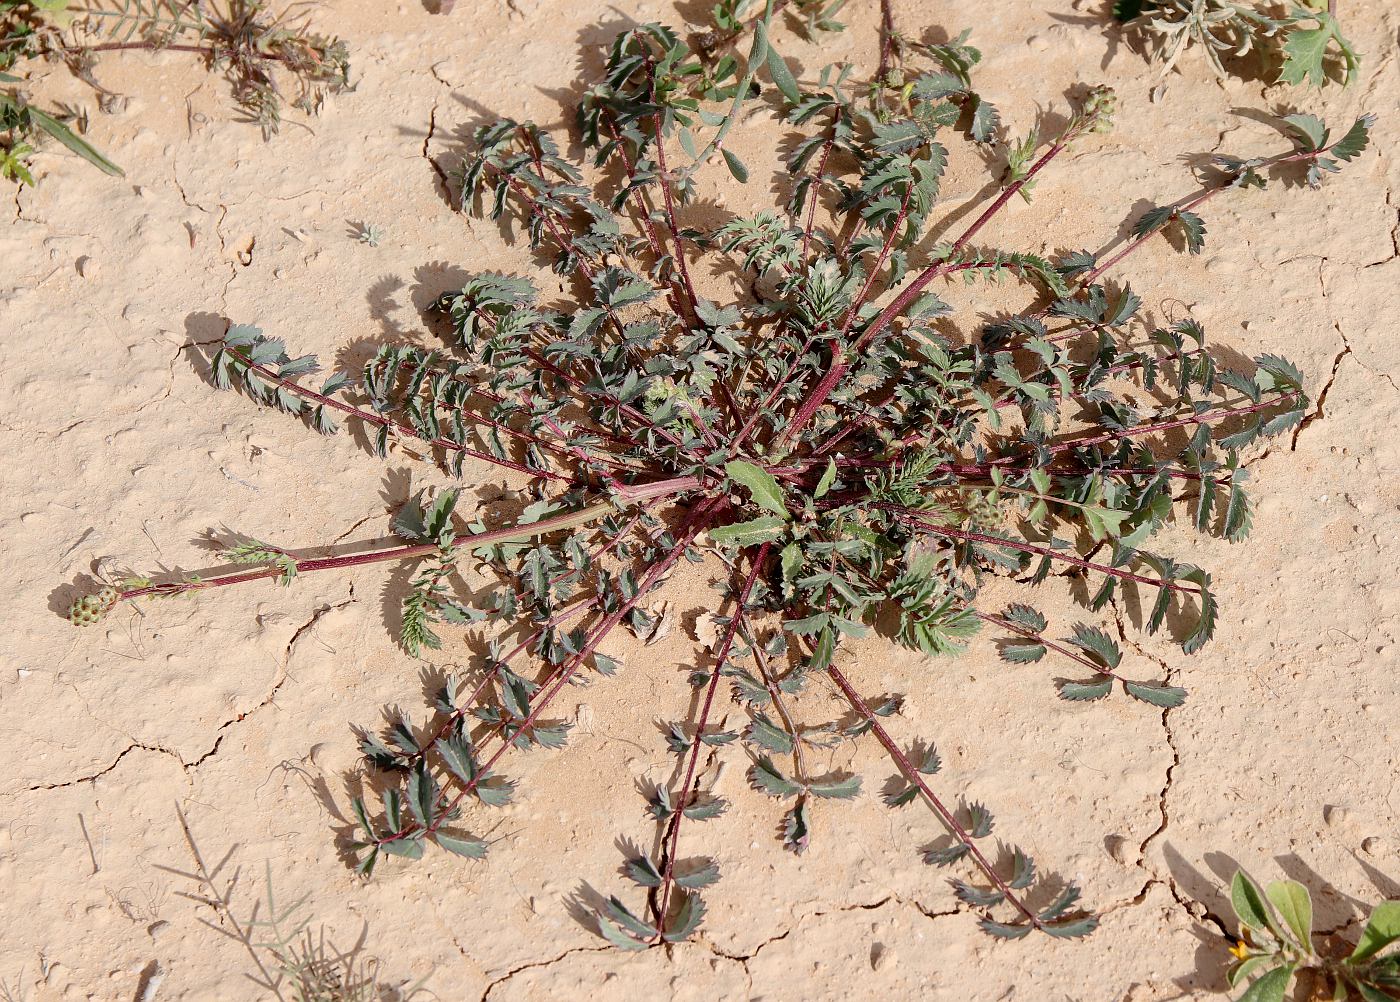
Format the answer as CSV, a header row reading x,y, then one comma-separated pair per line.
x,y
1276,942
857,462
256,48
1303,38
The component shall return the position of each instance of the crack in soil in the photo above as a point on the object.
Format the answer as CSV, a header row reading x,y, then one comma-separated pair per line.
x,y
1187,904
1317,412
219,731
538,964
427,140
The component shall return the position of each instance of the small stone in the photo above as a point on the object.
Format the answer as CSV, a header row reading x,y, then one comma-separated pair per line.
x,y
1335,816
156,929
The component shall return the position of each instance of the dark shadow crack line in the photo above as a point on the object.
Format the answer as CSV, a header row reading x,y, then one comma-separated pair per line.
x,y
427,141
744,958
220,731
536,964
1318,412
1185,903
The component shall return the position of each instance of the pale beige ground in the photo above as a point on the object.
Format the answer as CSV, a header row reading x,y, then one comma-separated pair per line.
x,y
235,707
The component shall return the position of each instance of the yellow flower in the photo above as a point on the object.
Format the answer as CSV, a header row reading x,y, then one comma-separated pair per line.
x,y
1240,950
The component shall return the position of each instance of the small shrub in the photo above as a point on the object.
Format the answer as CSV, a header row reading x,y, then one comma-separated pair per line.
x,y
1276,942
245,40
859,464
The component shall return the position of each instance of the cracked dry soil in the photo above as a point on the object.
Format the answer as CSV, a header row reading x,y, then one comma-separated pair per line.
x,y
235,708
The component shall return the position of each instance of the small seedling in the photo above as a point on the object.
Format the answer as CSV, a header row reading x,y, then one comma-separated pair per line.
x,y
367,233
1306,43
1276,942
855,462
246,41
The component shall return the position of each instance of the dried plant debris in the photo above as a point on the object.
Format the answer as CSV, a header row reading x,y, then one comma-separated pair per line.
x,y
1303,40
291,962
258,49
856,463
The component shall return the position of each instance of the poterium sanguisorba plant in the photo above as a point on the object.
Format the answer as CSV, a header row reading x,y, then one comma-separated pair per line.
x,y
855,461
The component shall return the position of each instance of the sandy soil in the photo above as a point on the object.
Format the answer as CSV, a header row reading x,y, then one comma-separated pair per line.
x,y
235,708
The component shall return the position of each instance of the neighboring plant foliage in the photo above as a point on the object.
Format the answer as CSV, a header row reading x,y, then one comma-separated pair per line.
x,y
858,462
1303,39
1276,942
245,40
293,964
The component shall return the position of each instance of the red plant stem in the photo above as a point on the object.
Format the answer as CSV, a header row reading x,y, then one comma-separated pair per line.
x,y
1086,280
1060,649
151,47
583,388
834,375
308,565
912,774
683,801
637,194
778,387
562,616
874,275
886,40
689,301
799,759
378,419
1207,417
814,195
911,516
561,675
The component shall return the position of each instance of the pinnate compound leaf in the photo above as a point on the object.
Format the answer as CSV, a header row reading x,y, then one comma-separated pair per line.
x,y
469,847
979,820
687,918
1072,928
1098,645
701,875
1021,652
1081,692
1166,696
845,788
768,778
1309,130
617,937
947,855
1003,930
975,896
643,872
1351,146
1025,616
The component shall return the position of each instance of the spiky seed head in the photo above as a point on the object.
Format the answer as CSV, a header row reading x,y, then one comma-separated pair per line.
x,y
90,609
1099,108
